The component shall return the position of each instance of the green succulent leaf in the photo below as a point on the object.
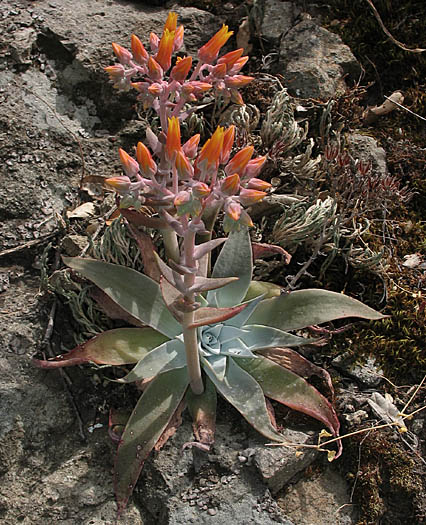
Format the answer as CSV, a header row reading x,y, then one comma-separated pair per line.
x,y
121,346
240,319
203,412
136,293
235,260
257,336
291,390
149,419
204,248
309,307
244,393
262,288
168,356
203,284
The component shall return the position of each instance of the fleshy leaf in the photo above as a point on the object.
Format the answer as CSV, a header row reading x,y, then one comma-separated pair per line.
x,y
203,412
309,307
204,284
173,277
206,247
134,292
149,419
121,346
261,250
245,394
257,336
267,290
291,390
235,260
240,319
147,251
168,356
207,315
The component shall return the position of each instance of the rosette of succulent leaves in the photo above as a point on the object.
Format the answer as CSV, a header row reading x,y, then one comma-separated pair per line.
x,y
205,331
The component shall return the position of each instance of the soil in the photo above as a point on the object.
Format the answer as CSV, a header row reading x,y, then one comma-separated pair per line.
x,y
61,121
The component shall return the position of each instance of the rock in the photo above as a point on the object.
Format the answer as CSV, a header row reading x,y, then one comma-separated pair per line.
x,y
322,499
365,148
314,61
278,465
368,373
272,19
22,45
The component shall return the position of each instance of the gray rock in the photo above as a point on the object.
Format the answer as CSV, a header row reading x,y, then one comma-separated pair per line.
x,y
278,465
368,373
272,19
365,148
314,61
22,45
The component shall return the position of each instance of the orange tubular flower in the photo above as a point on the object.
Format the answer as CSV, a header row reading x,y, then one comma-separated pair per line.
x,y
231,184
239,161
238,81
140,54
209,51
219,71
248,197
258,184
180,71
145,160
231,58
165,49
121,53
130,166
228,141
210,152
171,22
154,69
119,184
173,144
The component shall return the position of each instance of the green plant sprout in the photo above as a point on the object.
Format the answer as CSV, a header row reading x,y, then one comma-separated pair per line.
x,y
207,331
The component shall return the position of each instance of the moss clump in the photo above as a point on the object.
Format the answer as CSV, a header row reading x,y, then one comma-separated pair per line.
x,y
387,482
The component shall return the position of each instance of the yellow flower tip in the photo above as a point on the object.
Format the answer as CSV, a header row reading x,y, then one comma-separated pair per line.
x,y
181,69
210,50
173,143
239,161
165,49
171,22
231,184
139,52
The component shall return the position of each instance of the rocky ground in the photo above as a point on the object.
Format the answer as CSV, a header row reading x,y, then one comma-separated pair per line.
x,y
60,122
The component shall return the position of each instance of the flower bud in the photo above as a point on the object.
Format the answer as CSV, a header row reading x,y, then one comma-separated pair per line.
x,y
258,184
210,50
130,166
119,184
253,167
183,197
230,185
228,141
154,42
248,197
165,49
239,161
155,89
219,71
122,54
230,58
178,42
238,81
146,162
237,67
154,69
139,52
183,166
200,189
233,209
190,147
236,97
173,144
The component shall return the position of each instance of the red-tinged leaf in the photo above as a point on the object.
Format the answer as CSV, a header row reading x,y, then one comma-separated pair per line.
x,y
140,219
117,422
173,277
174,423
171,295
149,419
290,359
203,412
293,391
112,309
261,250
207,315
121,346
147,251
206,247
204,284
